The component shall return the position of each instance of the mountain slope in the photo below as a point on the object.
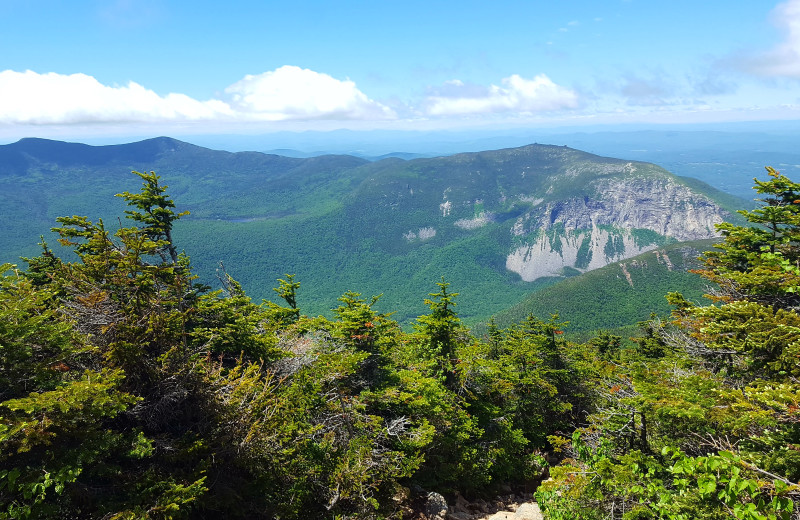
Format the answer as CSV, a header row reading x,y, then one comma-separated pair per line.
x,y
621,293
42,179
497,224
564,209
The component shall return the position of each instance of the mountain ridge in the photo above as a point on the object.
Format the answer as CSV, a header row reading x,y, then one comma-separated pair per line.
x,y
391,226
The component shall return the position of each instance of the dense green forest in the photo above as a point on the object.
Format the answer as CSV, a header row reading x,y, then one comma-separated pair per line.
x,y
130,390
330,219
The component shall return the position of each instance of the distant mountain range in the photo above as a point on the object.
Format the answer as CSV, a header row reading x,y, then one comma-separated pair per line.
x,y
496,224
724,155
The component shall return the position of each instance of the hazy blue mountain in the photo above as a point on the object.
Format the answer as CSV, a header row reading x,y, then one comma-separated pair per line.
x,y
724,155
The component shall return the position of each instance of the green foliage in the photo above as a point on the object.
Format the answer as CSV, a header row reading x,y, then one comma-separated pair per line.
x,y
673,486
131,391
55,411
287,290
32,340
154,214
231,325
440,328
608,345
615,246
759,263
360,326
584,256
700,420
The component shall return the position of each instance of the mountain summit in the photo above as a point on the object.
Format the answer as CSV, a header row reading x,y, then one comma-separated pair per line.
x,y
562,209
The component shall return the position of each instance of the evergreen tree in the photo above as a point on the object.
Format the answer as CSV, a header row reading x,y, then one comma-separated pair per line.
x,y
761,263
440,329
701,421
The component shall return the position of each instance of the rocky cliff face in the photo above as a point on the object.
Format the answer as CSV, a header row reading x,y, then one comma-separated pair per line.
x,y
566,210
620,217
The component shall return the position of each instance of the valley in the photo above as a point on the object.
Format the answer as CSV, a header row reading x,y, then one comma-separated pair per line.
x,y
400,261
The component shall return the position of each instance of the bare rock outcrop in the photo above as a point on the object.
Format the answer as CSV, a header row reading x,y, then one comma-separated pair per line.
x,y
620,219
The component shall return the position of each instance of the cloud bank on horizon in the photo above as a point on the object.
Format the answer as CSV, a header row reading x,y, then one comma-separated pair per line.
x,y
286,93
291,93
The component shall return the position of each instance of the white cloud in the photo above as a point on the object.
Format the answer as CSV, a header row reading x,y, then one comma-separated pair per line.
x,y
32,98
783,60
454,82
293,93
287,93
517,94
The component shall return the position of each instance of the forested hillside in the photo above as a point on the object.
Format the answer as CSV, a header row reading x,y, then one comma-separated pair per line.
x,y
128,389
498,224
619,294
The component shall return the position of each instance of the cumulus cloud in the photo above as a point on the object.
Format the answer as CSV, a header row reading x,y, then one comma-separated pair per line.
x,y
293,93
516,94
287,93
32,98
783,60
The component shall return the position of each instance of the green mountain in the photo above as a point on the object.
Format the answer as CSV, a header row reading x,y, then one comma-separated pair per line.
x,y
498,225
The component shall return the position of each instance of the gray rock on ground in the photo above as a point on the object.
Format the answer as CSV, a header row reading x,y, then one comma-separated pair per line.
x,y
526,511
435,506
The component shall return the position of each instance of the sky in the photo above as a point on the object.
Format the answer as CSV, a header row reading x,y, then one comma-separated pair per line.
x,y
82,68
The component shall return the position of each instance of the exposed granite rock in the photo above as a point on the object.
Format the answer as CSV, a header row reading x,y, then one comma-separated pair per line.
x,y
658,204
590,232
526,511
435,506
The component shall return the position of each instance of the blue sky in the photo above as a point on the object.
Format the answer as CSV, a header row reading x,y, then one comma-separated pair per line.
x,y
154,67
